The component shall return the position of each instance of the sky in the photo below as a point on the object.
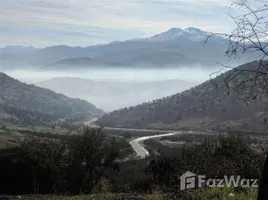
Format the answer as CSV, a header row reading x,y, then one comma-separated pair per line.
x,y
42,23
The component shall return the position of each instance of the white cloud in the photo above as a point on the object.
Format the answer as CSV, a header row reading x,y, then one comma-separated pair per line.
x,y
107,20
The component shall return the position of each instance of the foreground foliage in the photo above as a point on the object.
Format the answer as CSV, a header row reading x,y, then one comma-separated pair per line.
x,y
41,166
89,163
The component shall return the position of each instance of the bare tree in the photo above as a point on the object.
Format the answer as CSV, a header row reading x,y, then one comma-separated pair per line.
x,y
250,81
92,154
249,37
251,29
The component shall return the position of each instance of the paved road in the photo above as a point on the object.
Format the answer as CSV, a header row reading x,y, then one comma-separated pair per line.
x,y
137,144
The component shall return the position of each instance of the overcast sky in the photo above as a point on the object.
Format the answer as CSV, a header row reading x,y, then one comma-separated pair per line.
x,y
87,22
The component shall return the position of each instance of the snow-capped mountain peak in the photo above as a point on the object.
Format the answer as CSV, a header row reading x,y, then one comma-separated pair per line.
x,y
174,30
171,34
193,30
190,33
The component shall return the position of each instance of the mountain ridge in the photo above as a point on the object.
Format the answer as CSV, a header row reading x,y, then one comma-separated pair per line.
x,y
173,48
173,29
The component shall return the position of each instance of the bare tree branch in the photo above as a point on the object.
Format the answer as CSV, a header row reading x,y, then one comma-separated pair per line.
x,y
249,37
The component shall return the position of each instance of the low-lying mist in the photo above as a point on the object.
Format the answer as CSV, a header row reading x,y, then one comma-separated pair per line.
x,y
192,73
111,89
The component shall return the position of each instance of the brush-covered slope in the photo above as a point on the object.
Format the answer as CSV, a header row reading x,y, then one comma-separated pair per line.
x,y
202,107
15,95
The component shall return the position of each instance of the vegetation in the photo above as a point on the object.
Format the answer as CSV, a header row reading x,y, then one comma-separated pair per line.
x,y
41,166
204,194
187,137
215,158
222,194
27,104
86,163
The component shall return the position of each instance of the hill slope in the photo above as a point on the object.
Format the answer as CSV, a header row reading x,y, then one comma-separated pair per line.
x,y
202,107
15,95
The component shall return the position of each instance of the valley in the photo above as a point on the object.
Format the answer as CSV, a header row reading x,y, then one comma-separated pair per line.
x,y
177,126
112,95
133,100
137,139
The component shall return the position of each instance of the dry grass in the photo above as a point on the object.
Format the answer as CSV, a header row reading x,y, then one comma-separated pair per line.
x,y
200,194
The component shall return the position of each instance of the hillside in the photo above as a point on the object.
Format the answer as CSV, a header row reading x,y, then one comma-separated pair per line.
x,y
18,99
113,95
202,107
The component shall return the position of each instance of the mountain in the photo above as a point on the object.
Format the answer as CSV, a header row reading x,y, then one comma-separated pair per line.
x,y
191,33
204,107
83,62
173,48
111,95
17,49
13,57
18,100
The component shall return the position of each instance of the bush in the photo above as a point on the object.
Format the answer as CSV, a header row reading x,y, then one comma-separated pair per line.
x,y
226,155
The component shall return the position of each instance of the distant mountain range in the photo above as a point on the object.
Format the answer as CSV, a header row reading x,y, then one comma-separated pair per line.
x,y
18,49
173,48
22,103
109,95
82,62
204,107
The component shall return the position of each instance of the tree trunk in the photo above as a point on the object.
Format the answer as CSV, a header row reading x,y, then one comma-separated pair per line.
x,y
35,186
263,187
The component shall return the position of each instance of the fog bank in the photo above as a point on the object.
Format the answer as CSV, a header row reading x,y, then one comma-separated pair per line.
x,y
192,74
111,89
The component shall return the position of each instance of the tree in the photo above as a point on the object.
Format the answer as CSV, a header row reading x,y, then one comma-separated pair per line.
x,y
263,195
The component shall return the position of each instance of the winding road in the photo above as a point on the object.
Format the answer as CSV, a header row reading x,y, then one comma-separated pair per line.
x,y
138,143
